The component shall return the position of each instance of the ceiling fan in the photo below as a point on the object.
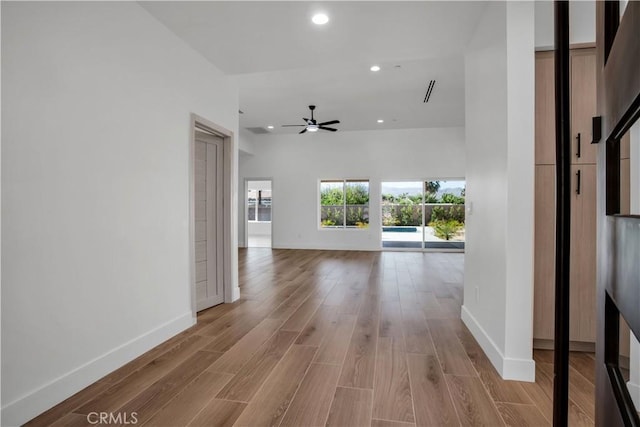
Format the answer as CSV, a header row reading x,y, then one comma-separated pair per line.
x,y
312,125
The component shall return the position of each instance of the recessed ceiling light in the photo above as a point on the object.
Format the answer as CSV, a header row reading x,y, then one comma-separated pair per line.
x,y
380,121
269,127
375,68
320,19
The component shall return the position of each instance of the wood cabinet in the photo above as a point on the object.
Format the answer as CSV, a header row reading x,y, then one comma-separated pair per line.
x,y
583,203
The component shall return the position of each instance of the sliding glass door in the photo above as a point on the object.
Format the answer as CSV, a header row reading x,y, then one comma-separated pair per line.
x,y
423,214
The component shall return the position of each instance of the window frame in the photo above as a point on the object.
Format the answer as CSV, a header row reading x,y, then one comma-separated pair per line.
x,y
344,225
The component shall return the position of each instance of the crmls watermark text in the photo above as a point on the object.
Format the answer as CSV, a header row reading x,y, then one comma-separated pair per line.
x,y
112,418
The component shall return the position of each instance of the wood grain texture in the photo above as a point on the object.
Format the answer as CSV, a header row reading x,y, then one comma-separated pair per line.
x,y
152,399
219,413
450,352
336,342
272,400
242,351
351,407
310,407
359,365
250,377
473,405
517,415
545,109
264,377
183,408
392,398
433,404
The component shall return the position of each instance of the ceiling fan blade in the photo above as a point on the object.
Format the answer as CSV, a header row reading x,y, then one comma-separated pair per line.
x,y
332,122
303,130
288,126
330,129
306,120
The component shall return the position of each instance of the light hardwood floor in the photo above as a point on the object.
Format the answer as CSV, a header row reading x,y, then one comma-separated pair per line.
x,y
330,338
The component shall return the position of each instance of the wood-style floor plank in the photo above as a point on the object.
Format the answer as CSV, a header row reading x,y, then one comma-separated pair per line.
x,y
387,423
375,338
312,401
186,405
120,393
473,405
517,415
272,400
392,398
151,400
336,342
450,352
359,365
250,377
351,407
242,351
219,413
432,402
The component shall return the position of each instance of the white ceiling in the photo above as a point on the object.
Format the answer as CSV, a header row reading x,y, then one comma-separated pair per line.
x,y
284,63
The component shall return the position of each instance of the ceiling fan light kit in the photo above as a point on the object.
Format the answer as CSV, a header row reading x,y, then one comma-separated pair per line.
x,y
312,124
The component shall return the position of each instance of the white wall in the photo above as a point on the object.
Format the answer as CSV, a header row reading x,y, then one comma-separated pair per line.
x,y
96,110
297,163
499,111
634,191
582,23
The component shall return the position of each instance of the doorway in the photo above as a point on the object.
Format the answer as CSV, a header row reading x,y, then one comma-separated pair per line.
x,y
428,214
210,195
259,202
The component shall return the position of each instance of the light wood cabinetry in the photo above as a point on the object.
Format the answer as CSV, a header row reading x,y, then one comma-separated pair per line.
x,y
583,203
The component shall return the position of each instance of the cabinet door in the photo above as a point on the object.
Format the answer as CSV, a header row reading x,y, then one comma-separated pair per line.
x,y
544,252
545,109
583,254
583,104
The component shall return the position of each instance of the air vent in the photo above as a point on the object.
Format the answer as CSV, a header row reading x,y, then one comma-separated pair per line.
x,y
257,130
432,83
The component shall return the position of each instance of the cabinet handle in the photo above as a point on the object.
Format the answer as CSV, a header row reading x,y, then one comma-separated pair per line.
x,y
578,175
579,145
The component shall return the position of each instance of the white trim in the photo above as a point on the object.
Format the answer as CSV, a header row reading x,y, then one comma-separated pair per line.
x,y
39,400
326,247
508,368
231,288
634,392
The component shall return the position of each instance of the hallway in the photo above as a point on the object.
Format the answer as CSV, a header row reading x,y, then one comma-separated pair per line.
x,y
330,337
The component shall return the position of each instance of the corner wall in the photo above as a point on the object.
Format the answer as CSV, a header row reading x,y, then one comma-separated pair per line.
x,y
297,163
499,98
96,99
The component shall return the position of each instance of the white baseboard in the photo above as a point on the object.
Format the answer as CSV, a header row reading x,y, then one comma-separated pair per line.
x,y
48,395
634,391
509,368
321,247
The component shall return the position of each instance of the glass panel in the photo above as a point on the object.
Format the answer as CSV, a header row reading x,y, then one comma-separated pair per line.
x,y
357,201
251,203
331,204
402,221
264,205
444,214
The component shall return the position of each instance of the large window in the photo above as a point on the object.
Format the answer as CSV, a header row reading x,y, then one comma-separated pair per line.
x,y
259,205
427,214
344,204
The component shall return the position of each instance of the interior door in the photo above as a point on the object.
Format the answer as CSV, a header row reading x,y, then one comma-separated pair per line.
x,y
209,237
618,292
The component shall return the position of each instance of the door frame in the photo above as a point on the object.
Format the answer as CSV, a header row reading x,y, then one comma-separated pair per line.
x,y
202,124
246,209
424,220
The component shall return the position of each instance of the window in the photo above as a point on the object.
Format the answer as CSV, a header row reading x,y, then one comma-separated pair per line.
x,y
344,204
259,205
